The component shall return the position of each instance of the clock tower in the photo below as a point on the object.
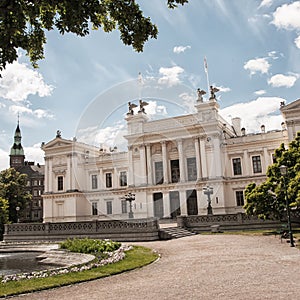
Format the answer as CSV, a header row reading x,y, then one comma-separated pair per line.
x,y
17,156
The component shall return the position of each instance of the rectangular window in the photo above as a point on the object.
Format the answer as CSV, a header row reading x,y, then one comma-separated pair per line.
x,y
108,180
239,195
124,206
35,192
159,172
237,167
94,182
175,172
109,207
191,168
60,183
256,162
94,208
123,178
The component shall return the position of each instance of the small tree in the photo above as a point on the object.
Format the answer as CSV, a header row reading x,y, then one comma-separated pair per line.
x,y
267,200
13,189
3,215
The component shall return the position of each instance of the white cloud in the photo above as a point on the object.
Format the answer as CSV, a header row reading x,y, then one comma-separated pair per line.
x,y
34,153
287,16
109,136
224,89
170,76
280,80
273,54
188,101
38,113
153,109
297,41
4,160
260,92
257,65
265,3
19,81
180,49
255,113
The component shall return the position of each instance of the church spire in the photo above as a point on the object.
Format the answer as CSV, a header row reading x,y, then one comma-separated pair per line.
x,y
17,156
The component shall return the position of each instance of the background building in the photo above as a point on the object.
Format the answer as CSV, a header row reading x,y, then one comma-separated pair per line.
x,y
168,166
35,179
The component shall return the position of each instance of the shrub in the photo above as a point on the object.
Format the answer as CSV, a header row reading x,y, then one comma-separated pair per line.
x,y
90,246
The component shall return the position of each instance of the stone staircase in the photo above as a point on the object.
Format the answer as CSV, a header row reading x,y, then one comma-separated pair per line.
x,y
169,233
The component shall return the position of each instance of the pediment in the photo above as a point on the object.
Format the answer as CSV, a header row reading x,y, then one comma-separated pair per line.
x,y
295,105
57,142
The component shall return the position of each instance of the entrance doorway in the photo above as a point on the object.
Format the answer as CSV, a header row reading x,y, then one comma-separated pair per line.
x,y
174,204
191,202
158,205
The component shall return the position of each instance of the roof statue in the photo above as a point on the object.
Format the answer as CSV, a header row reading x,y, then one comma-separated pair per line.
x,y
213,90
142,104
131,106
58,134
200,94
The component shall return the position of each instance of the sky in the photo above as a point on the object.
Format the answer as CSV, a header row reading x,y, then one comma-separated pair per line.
x,y
82,87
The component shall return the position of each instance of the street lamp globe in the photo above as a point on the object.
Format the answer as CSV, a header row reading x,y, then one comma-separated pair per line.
x,y
283,170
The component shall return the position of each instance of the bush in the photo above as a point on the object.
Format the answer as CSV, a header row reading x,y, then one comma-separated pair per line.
x,y
90,246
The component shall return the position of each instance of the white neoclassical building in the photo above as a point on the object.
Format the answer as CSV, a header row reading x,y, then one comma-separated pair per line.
x,y
168,166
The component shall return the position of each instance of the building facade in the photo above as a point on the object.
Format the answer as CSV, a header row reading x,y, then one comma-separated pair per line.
x,y
172,166
35,179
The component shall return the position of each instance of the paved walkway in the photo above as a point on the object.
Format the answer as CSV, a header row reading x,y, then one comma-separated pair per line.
x,y
200,267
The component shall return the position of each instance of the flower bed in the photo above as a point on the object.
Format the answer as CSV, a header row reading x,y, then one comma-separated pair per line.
x,y
101,258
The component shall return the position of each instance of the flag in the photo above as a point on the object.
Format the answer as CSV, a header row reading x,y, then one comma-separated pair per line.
x,y
205,65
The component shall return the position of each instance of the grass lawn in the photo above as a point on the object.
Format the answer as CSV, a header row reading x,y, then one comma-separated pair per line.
x,y
135,258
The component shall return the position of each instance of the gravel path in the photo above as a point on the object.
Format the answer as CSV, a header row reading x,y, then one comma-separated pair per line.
x,y
200,267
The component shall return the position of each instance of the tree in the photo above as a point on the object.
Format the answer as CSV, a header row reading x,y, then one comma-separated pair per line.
x,y
3,215
267,200
13,189
23,23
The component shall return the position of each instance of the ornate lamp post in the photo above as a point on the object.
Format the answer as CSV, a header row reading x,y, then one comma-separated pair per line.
x,y
130,197
208,191
284,173
18,209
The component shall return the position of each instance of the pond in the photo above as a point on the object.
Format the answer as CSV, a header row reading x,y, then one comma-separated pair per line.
x,y
21,262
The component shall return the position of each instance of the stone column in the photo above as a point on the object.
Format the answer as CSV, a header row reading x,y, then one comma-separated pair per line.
x,y
181,161
183,206
50,176
115,178
165,161
166,201
68,173
149,165
143,165
217,157
246,164
130,167
46,178
198,159
203,158
101,179
266,160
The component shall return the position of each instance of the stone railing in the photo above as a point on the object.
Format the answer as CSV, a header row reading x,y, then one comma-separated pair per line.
x,y
238,221
125,230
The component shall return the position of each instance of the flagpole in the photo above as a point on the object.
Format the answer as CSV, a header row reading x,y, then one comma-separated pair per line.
x,y
206,71
140,84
